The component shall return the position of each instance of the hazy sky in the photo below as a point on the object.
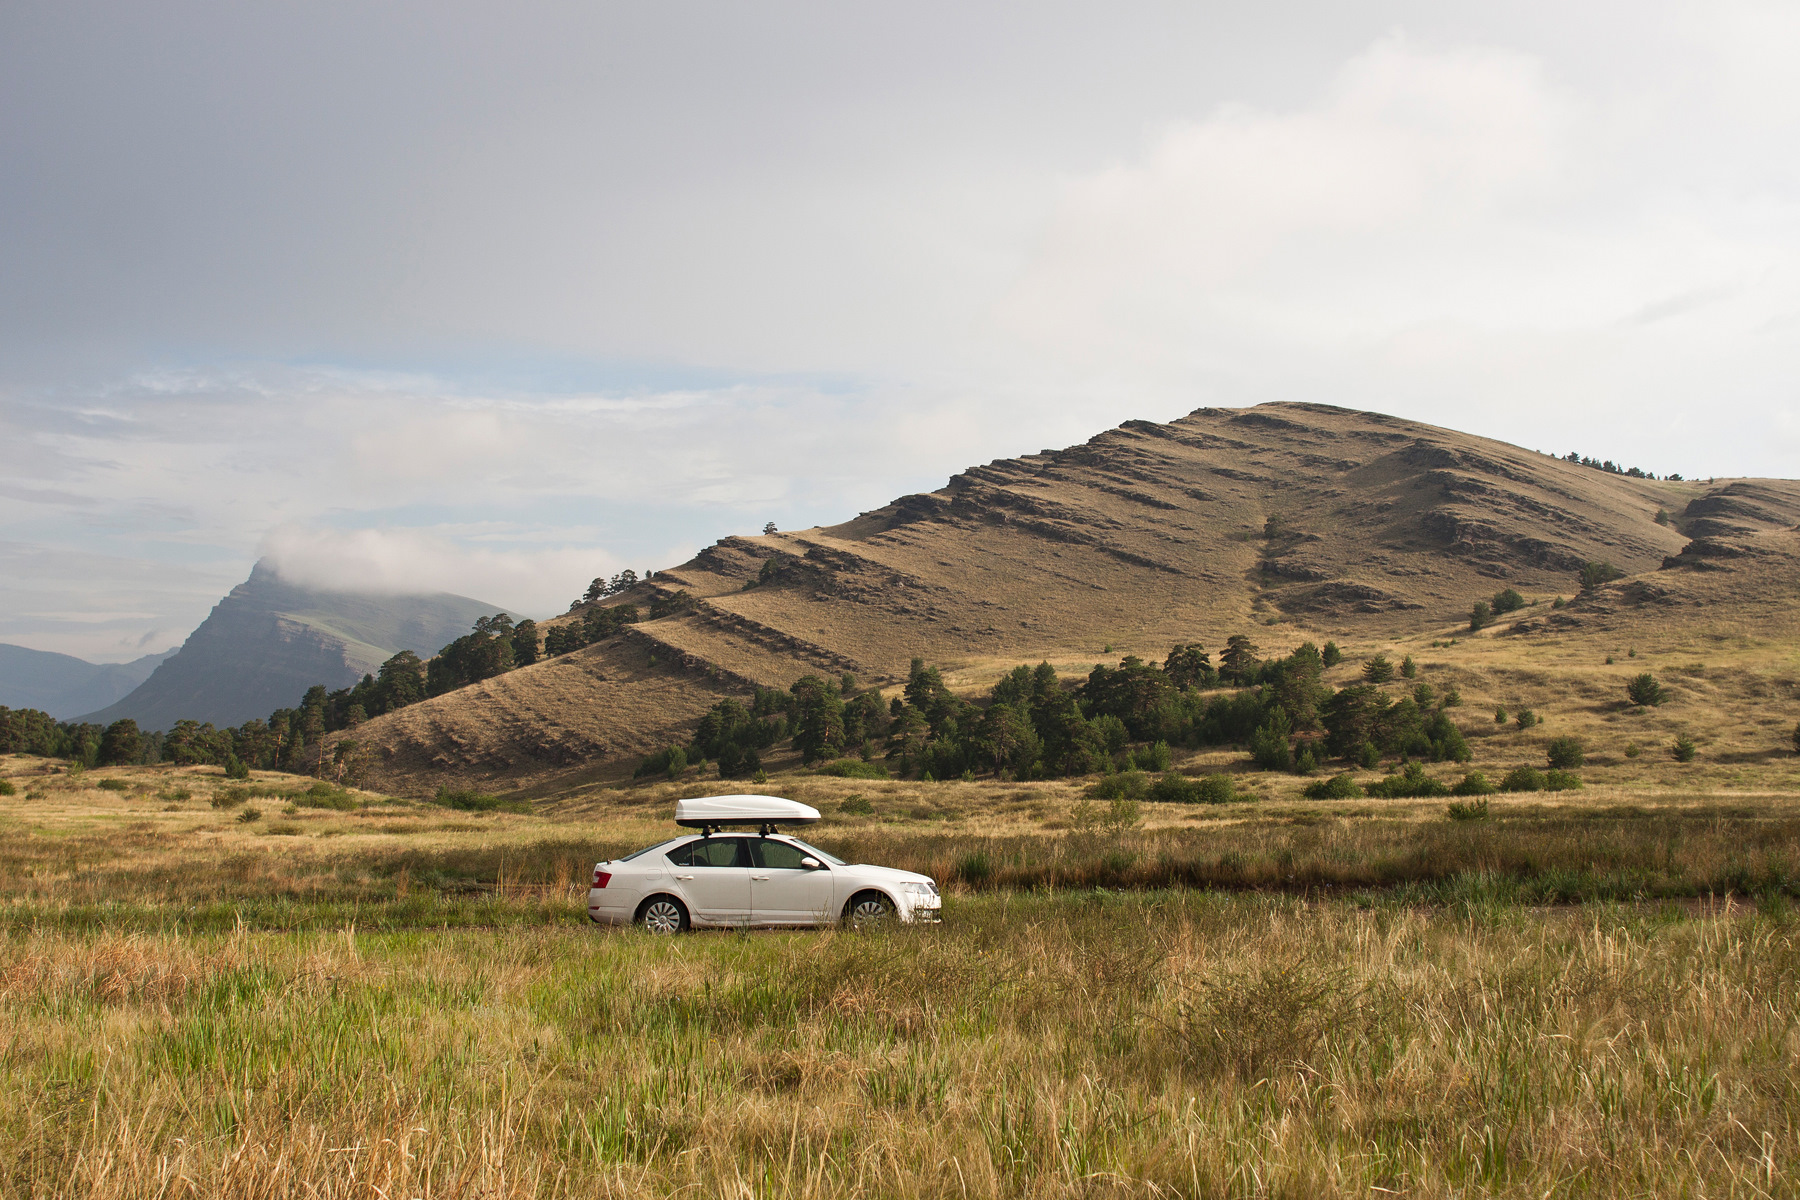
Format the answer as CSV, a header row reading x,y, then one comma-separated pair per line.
x,y
495,298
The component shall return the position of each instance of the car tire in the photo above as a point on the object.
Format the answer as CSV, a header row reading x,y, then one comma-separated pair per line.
x,y
868,910
663,915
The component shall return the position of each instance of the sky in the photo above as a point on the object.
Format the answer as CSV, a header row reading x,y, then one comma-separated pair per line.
x,y
494,299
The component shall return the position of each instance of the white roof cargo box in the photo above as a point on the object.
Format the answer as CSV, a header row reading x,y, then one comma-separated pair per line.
x,y
712,812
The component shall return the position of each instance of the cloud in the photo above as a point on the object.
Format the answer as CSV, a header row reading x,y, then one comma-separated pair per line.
x,y
421,561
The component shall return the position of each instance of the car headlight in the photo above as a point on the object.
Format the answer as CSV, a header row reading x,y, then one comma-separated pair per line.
x,y
927,888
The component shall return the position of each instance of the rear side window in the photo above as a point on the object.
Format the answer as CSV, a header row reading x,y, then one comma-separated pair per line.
x,y
711,852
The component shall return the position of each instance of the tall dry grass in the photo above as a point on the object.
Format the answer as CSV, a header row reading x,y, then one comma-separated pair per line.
x,y
1050,1047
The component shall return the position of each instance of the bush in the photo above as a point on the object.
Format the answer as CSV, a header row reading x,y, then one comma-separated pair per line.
x,y
1338,787
1378,669
1645,692
1566,752
1683,749
1152,758
1126,785
1474,784
1499,715
1368,757
1507,601
249,815
1480,616
1179,789
1306,762
469,800
229,797
1596,573
1408,668
851,768
1475,810
1452,699
7,789
1269,748
1411,782
1331,656
114,785
236,768
1523,779
856,805
1525,718
323,795
1424,695
1561,781
1632,750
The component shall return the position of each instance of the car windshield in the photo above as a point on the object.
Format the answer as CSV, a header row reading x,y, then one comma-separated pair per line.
x,y
833,859
646,850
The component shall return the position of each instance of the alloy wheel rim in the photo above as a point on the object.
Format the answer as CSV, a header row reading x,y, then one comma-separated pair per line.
x,y
869,910
662,918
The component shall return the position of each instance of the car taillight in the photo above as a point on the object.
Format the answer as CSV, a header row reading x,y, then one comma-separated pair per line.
x,y
601,878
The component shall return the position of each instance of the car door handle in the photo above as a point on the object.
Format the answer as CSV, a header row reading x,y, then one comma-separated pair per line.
x,y
684,877
762,878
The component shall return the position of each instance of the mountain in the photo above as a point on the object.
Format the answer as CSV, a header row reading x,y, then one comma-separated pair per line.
x,y
269,640
63,685
1285,521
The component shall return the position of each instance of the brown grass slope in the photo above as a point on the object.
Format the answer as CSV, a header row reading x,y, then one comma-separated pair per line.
x,y
1323,521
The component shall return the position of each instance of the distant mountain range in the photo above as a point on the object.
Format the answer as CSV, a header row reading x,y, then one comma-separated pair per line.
x,y
269,640
63,685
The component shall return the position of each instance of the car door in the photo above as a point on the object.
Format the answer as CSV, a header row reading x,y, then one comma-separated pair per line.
x,y
713,874
782,892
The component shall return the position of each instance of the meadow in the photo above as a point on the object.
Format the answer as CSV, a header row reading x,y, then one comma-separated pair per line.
x,y
358,995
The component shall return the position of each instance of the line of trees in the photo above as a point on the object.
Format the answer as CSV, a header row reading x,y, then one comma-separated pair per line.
x,y
1033,725
1611,467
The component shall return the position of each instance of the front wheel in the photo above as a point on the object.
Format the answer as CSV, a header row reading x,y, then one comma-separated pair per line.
x,y
868,910
664,915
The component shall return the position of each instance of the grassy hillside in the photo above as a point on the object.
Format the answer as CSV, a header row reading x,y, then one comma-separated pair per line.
x,y
1287,522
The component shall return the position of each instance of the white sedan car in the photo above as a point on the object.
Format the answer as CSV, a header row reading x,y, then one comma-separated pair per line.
x,y
731,880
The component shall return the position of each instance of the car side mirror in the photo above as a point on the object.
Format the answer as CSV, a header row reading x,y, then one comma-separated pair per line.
x,y
811,863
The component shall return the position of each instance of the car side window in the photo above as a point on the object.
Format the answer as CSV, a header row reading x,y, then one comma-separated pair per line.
x,y
780,856
710,852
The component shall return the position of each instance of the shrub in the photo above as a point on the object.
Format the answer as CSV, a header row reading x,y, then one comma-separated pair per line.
x,y
1179,789
1480,616
176,794
1507,601
249,815
1596,573
1338,787
851,768
1499,715
1474,784
1424,695
1452,699
7,788
1558,602
1269,747
469,800
323,795
1525,718
1378,669
1566,752
1408,668
1645,692
856,805
114,785
1683,749
1561,781
1126,785
1410,782
229,797
1306,762
1154,757
1474,810
1331,656
1632,750
1368,757
1523,779
236,768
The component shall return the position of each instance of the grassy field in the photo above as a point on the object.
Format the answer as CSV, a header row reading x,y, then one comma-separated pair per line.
x,y
354,995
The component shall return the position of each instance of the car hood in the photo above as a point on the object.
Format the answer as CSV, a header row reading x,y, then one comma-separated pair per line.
x,y
887,874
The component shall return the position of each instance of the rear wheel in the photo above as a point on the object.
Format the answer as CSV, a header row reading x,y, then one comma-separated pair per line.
x,y
868,910
664,915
